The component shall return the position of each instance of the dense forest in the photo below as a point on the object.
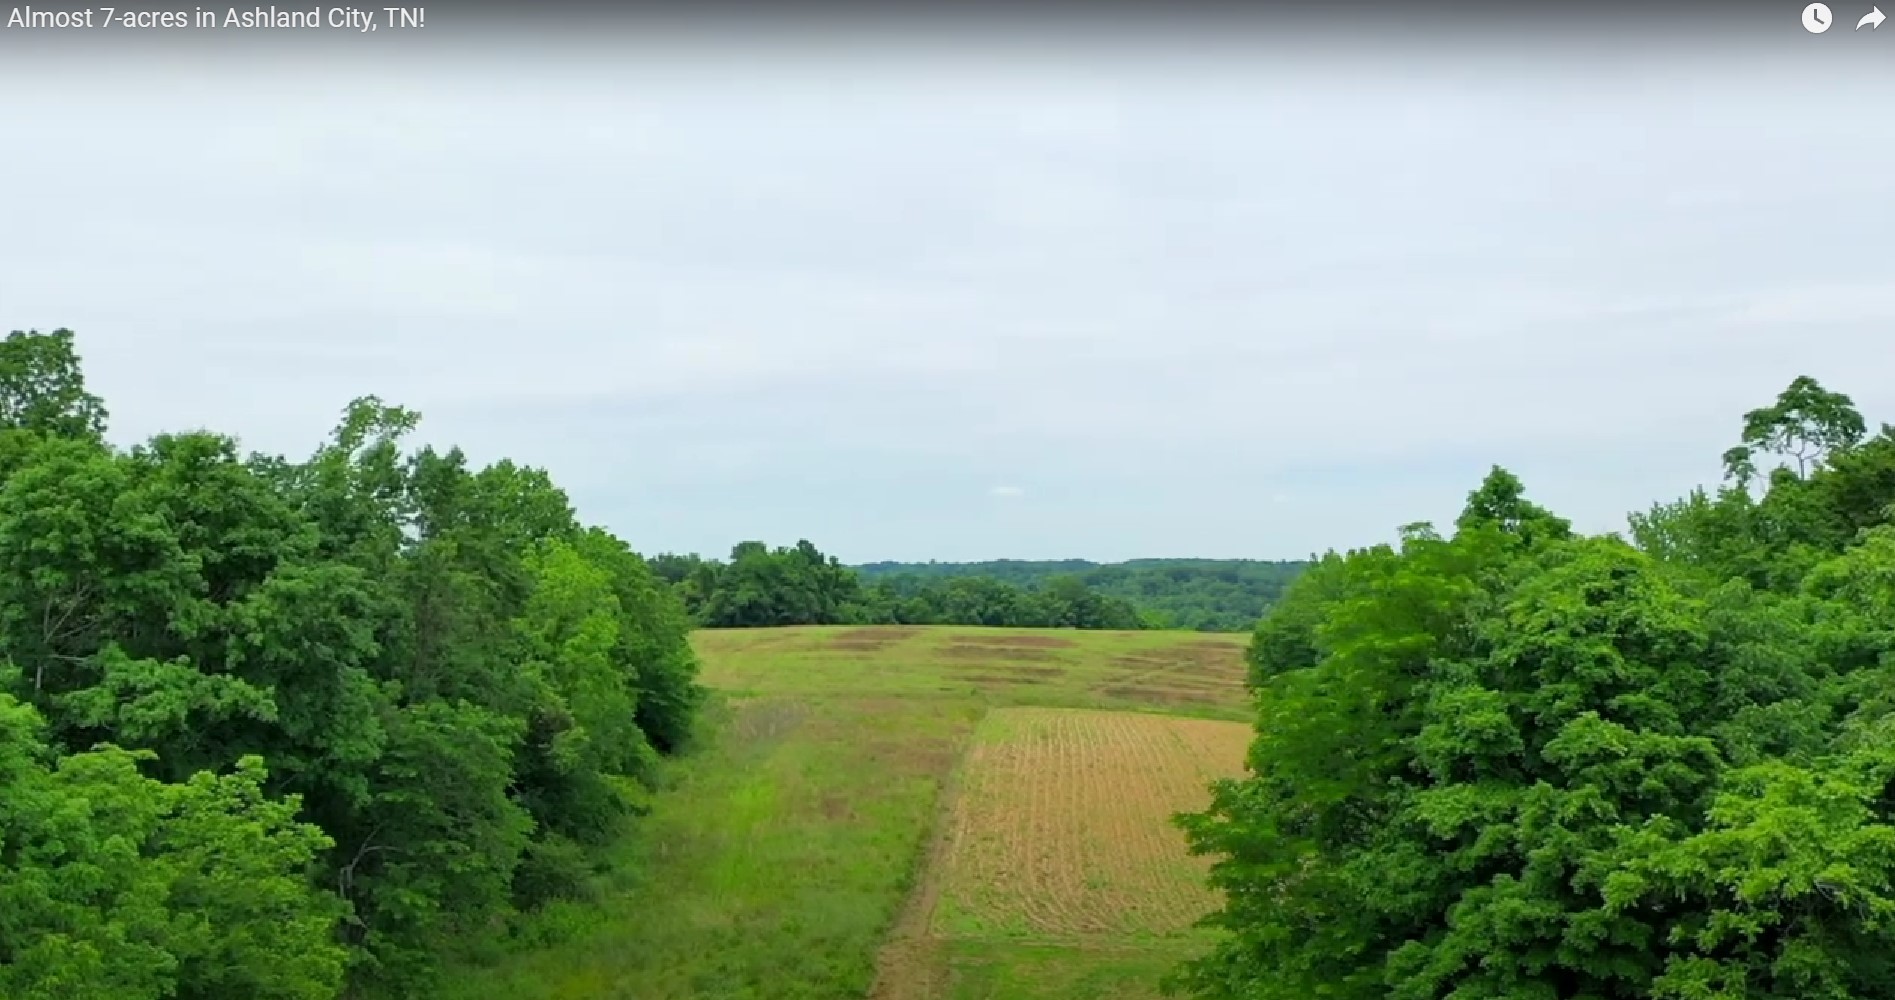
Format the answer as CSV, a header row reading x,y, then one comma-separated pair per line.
x,y
1208,595
799,585
1517,762
294,729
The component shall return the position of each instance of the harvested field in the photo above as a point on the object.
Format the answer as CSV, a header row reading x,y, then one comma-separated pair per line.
x,y
1183,672
1063,825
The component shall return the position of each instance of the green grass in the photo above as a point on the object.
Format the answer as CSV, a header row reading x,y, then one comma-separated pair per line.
x,y
993,970
782,851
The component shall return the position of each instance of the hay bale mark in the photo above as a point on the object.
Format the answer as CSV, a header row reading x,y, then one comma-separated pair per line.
x,y
1017,675
869,640
1213,659
1015,641
1168,697
997,654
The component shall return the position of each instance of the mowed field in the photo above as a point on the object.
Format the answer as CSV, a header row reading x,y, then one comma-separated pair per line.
x,y
1190,673
911,814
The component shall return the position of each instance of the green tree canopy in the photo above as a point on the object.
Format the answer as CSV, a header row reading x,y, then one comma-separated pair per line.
x,y
1521,763
43,390
274,728
800,585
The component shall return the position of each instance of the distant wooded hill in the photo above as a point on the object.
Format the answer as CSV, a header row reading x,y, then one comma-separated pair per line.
x,y
1213,595
759,586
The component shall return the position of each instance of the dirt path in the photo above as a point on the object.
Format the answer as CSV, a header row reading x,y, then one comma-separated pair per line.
x,y
912,964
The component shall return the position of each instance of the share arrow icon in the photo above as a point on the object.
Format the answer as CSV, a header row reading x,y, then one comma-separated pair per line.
x,y
1873,19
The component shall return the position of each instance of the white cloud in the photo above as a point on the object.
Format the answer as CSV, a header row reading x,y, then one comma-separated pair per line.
x,y
1172,301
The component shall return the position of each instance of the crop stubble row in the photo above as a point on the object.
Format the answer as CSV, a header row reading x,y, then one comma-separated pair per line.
x,y
1063,828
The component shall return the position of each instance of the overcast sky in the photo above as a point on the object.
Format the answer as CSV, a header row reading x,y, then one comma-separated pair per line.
x,y
1121,303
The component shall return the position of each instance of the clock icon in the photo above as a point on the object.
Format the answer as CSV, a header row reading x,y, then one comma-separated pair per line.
x,y
1817,19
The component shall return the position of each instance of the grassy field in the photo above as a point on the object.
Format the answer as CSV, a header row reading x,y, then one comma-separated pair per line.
x,y
935,814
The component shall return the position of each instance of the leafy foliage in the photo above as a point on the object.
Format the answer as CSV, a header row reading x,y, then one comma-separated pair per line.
x,y
1519,763
761,587
1208,595
42,389
281,729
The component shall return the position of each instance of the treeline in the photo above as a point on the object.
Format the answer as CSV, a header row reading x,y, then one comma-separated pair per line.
x,y
1514,761
799,585
290,729
1207,595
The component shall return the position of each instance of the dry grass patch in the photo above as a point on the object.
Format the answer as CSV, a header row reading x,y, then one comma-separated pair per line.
x,y
1162,697
1022,640
869,640
1216,661
997,654
1063,830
